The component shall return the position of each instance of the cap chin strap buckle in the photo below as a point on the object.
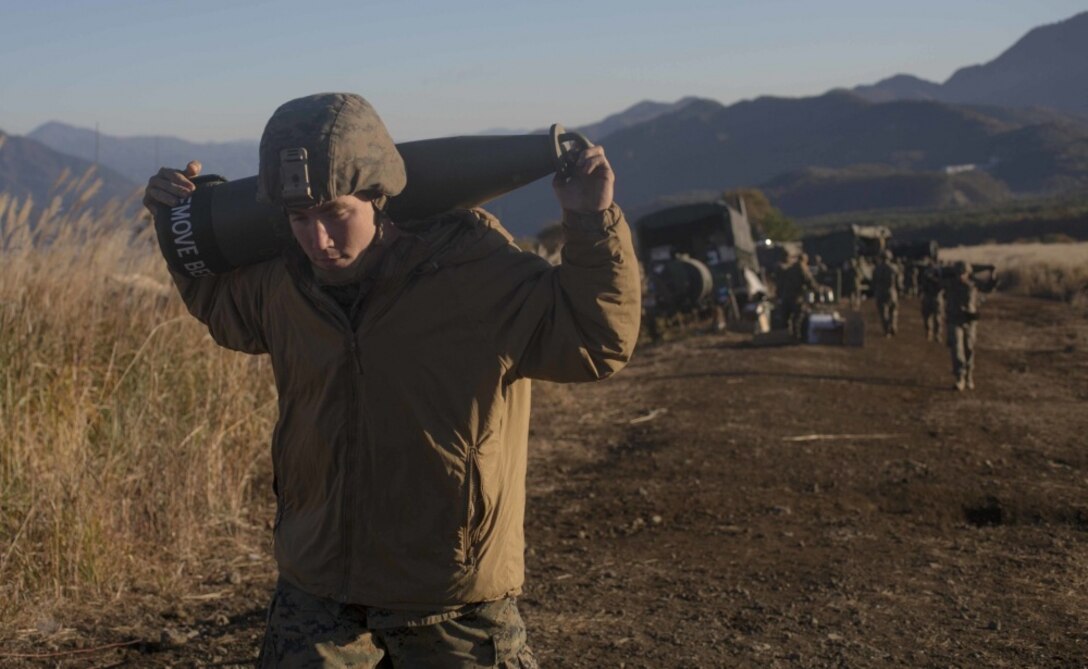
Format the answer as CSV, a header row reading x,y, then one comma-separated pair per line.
x,y
295,190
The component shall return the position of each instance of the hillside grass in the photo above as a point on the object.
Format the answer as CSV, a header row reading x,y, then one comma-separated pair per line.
x,y
131,445
1053,271
1022,217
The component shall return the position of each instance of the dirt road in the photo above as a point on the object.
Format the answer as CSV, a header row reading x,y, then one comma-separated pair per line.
x,y
717,505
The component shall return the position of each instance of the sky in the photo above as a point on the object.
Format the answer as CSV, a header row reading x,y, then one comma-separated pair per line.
x,y
215,70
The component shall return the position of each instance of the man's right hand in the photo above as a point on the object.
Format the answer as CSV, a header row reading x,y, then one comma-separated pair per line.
x,y
170,186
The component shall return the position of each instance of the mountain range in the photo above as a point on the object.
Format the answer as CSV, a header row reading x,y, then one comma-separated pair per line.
x,y
707,147
1047,67
1015,125
137,158
31,169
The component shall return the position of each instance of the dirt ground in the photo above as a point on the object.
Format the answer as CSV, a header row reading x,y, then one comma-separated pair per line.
x,y
719,505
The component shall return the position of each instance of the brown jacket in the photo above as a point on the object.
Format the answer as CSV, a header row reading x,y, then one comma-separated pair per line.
x,y
400,450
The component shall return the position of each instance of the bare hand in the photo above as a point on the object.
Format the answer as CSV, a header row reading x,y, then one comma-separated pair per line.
x,y
170,186
591,186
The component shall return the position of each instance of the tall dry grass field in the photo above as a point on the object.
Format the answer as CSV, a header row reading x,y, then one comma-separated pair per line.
x,y
130,444
1053,271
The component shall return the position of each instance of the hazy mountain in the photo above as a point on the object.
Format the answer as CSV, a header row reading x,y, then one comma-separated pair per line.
x,y
1048,67
644,111
705,146
639,112
900,87
816,191
30,168
139,157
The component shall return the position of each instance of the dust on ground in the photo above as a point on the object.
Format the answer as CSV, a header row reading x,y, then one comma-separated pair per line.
x,y
720,505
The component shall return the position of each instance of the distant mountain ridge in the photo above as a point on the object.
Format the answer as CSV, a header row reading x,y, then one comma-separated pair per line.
x,y
30,169
818,191
137,158
641,112
705,146
1047,67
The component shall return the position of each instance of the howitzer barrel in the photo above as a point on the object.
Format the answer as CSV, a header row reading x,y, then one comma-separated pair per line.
x,y
222,226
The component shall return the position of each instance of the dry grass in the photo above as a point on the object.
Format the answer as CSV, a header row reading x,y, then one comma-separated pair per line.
x,y
130,443
1053,271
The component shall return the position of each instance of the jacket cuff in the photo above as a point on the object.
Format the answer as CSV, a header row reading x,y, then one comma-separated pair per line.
x,y
600,222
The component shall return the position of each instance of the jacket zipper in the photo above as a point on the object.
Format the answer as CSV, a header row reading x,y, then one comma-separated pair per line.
x,y
350,451
331,307
327,304
470,508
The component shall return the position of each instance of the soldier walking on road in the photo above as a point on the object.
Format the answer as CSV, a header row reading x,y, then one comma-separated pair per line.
x,y
911,273
961,316
932,301
887,281
791,285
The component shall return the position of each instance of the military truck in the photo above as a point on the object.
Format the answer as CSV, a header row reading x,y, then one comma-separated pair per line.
x,y
699,259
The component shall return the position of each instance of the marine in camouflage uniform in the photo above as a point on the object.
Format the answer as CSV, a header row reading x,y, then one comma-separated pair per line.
x,y
911,275
403,354
932,301
791,284
961,318
886,283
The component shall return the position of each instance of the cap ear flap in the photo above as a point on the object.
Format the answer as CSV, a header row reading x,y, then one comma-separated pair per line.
x,y
376,198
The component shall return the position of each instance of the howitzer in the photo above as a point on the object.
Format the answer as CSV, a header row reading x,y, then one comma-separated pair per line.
x,y
222,226
986,284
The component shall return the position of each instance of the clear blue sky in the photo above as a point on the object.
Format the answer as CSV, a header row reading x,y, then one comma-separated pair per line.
x,y
215,70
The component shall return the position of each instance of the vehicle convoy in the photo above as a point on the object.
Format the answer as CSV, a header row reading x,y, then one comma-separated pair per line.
x,y
699,259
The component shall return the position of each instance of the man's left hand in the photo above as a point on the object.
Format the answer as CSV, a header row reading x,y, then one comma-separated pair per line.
x,y
589,189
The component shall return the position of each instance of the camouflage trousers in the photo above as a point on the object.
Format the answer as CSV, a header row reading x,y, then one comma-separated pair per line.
x,y
794,313
889,315
308,631
931,316
961,344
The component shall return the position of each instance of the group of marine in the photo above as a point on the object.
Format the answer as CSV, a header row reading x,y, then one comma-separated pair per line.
x,y
949,295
